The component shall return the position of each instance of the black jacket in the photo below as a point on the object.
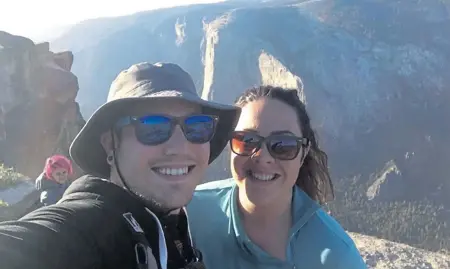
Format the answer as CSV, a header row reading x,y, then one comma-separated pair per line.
x,y
91,228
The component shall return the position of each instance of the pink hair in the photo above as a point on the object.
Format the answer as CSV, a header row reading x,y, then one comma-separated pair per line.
x,y
57,161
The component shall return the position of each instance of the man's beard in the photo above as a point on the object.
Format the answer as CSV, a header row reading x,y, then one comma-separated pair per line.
x,y
149,202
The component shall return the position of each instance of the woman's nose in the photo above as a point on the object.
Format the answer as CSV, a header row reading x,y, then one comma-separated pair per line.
x,y
263,155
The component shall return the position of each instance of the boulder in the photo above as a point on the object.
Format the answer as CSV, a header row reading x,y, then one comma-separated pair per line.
x,y
380,254
39,116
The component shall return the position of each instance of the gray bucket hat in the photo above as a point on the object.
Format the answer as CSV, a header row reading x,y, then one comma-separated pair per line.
x,y
145,83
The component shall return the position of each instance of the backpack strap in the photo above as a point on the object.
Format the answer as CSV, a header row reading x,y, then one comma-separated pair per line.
x,y
163,255
197,262
142,250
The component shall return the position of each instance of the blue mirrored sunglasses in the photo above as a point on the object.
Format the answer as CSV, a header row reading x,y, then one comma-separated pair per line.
x,y
152,130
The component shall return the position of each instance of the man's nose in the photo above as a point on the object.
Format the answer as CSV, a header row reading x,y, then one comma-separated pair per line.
x,y
177,143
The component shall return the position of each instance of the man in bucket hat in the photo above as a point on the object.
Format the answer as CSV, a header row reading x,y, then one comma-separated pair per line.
x,y
152,140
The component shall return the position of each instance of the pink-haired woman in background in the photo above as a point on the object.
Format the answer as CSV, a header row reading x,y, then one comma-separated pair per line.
x,y
54,180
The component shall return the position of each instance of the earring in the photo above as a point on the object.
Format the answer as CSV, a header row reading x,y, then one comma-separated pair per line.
x,y
110,159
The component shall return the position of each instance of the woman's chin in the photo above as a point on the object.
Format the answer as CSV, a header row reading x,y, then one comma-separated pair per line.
x,y
261,202
259,197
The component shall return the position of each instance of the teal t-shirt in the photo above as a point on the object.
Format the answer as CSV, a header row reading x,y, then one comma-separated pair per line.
x,y
317,241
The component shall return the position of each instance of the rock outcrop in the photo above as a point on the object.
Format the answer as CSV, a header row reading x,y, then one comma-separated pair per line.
x,y
383,254
39,116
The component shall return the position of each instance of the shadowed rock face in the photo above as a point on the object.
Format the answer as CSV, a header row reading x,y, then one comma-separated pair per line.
x,y
39,116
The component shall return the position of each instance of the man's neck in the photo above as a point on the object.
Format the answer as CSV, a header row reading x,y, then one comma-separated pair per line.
x,y
114,178
175,212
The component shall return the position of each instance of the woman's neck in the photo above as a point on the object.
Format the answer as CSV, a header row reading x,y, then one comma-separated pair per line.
x,y
274,212
267,226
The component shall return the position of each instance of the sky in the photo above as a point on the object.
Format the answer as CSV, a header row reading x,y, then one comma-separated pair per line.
x,y
41,19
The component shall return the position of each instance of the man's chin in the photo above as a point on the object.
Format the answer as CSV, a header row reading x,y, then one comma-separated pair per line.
x,y
163,205
173,205
168,198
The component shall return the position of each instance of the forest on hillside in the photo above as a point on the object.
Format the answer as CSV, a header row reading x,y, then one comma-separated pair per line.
x,y
417,223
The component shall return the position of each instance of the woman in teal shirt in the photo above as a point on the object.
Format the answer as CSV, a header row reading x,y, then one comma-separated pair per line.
x,y
268,215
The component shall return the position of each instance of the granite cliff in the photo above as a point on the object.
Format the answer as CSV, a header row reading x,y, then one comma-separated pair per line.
x,y
39,116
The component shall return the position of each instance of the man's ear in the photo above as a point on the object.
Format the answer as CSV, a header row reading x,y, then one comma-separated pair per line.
x,y
107,141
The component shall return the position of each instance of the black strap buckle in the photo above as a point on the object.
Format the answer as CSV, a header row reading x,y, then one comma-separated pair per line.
x,y
142,249
197,262
142,255
198,256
